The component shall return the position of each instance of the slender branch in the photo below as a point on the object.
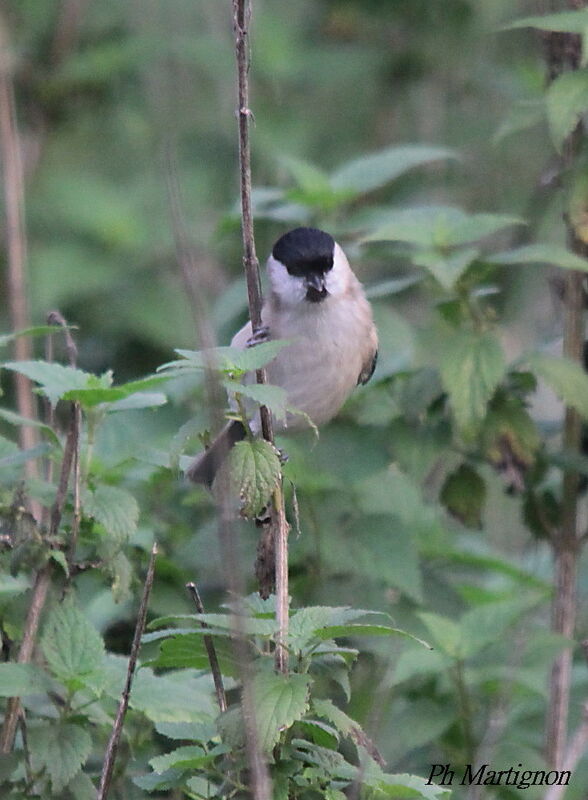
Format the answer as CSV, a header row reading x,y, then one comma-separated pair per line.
x,y
55,318
113,742
563,52
210,650
16,250
576,748
279,525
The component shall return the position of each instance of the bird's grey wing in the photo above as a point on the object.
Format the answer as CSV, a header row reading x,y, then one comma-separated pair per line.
x,y
368,369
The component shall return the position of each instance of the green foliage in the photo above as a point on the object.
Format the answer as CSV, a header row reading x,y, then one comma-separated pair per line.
x,y
432,496
254,472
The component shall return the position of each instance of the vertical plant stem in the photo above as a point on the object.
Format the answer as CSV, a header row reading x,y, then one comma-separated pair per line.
x,y
563,51
242,19
113,742
210,650
13,188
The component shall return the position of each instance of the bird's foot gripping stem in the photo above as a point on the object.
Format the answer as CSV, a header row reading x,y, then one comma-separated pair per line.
x,y
261,335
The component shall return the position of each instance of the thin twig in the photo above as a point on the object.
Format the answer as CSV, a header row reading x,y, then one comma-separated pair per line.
x,y
242,19
113,742
16,250
55,318
210,650
563,51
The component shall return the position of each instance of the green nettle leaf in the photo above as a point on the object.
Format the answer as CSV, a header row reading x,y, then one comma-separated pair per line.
x,y
254,471
464,494
540,254
274,397
279,701
187,757
447,269
566,378
438,227
472,366
18,680
73,648
372,171
59,749
567,100
114,508
55,379
563,21
228,359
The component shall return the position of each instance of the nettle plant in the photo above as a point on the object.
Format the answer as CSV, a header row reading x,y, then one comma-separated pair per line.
x,y
68,691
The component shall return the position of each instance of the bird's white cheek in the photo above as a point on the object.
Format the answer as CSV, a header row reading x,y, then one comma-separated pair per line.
x,y
290,289
335,282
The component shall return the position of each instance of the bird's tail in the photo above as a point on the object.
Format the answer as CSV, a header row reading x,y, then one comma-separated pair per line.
x,y
203,469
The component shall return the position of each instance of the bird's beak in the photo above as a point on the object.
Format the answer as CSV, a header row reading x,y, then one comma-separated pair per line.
x,y
315,287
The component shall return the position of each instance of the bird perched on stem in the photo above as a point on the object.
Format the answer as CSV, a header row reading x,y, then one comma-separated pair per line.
x,y
317,304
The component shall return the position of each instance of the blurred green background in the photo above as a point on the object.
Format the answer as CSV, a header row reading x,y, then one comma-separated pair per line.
x,y
108,95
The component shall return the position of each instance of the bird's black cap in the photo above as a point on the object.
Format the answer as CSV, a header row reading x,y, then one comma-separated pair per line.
x,y
305,250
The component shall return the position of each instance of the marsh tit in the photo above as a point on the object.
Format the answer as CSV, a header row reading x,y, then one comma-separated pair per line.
x,y
316,302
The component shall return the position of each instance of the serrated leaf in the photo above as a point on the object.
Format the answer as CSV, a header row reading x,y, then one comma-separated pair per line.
x,y
355,629
306,623
191,731
228,359
187,757
99,391
438,227
55,379
472,366
137,401
59,749
463,494
114,508
279,701
376,169
563,21
566,378
254,471
18,680
72,646
320,733
155,782
540,254
566,101
274,397
447,269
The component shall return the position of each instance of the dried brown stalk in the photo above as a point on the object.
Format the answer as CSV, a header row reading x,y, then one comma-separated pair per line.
x,y
210,650
242,19
113,742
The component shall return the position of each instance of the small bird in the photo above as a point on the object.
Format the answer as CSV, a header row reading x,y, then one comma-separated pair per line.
x,y
317,303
